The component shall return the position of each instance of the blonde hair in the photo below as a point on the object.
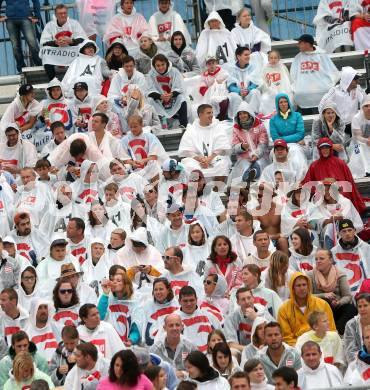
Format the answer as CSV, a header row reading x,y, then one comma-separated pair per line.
x,y
277,260
21,361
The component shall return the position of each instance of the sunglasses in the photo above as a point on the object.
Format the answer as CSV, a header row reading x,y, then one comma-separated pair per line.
x,y
66,291
209,282
28,278
149,191
166,258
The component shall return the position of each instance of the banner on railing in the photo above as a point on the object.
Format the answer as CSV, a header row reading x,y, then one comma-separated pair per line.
x,y
61,56
336,35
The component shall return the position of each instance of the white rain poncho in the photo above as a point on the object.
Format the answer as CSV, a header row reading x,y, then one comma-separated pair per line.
x,y
204,141
302,263
163,25
217,303
85,192
215,5
52,31
24,299
96,15
324,376
346,102
186,277
275,80
120,85
127,27
312,73
6,207
17,113
360,27
331,29
219,43
86,69
45,338
109,146
170,81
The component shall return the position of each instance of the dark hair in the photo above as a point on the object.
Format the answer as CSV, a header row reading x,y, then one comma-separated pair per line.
x,y
29,268
57,302
224,349
310,344
365,296
202,107
88,349
306,241
166,282
288,374
135,218
230,254
56,125
92,219
258,232
242,290
80,224
255,270
273,324
130,369
84,311
177,252
187,385
152,372
113,270
19,336
187,291
200,361
70,332
11,293
251,364
160,58
77,147
104,118
128,59
39,384
191,228
42,163
240,50
239,375
60,6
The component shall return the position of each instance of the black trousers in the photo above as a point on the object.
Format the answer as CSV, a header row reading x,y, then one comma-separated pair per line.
x,y
227,18
342,315
182,114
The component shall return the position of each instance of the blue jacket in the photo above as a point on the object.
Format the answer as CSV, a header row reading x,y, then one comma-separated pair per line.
x,y
20,9
290,129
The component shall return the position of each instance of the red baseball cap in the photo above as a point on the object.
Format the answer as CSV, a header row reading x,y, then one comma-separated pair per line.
x,y
280,142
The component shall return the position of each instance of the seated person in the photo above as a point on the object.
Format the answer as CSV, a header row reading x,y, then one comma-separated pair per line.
x,y
115,54
166,91
165,22
359,13
330,125
215,40
87,67
80,106
147,50
61,31
312,73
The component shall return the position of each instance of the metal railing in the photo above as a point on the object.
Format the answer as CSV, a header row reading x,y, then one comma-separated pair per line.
x,y
292,18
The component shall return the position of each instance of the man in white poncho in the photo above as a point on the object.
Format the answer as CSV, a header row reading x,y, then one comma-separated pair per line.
x,y
205,145
312,72
215,40
333,26
164,23
61,31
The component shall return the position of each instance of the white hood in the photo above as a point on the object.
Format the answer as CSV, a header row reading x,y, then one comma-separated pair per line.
x,y
348,74
214,16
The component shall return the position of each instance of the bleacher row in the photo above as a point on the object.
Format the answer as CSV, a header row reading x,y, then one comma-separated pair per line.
x,y
171,138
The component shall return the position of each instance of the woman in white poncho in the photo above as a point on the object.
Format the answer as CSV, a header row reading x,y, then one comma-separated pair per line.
x,y
245,33
275,79
215,40
87,67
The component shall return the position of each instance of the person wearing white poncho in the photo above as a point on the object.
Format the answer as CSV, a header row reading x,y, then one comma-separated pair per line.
x,y
215,40
246,33
165,22
142,260
315,373
333,26
205,145
128,25
42,331
87,67
312,72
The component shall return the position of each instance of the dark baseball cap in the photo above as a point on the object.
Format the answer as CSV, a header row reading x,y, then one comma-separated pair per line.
x,y
345,224
306,38
25,89
81,85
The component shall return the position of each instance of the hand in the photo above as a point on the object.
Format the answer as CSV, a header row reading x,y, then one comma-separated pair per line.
x,y
330,296
334,303
301,142
302,222
14,187
127,343
54,170
136,269
33,19
63,369
338,147
146,269
204,164
71,358
245,146
124,100
135,94
244,92
254,158
3,18
106,286
338,217
79,123
250,313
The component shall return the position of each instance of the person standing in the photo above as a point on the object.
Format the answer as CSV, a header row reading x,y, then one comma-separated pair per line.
x,y
20,18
